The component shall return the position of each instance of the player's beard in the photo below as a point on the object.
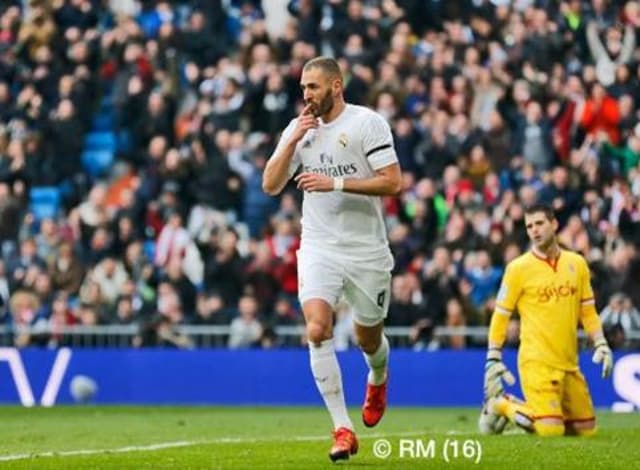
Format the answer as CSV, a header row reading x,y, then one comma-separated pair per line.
x,y
325,105
546,246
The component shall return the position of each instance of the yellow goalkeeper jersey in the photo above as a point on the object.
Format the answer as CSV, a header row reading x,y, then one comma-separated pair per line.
x,y
548,296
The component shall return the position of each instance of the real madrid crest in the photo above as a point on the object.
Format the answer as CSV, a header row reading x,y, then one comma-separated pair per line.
x,y
342,140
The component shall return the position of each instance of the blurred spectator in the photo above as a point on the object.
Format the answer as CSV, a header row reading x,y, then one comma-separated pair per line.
x,y
560,195
124,311
224,268
211,310
10,212
61,316
260,276
93,305
405,307
5,295
600,113
161,329
409,309
257,205
64,139
37,30
532,139
484,277
620,314
19,264
110,276
172,241
343,330
25,311
161,332
91,214
246,330
183,286
617,49
47,240
439,282
285,313
457,315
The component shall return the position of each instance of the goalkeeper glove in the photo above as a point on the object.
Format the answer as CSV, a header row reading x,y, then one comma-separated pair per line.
x,y
494,373
602,354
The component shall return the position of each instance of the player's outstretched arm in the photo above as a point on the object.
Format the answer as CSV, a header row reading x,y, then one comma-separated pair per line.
x,y
386,182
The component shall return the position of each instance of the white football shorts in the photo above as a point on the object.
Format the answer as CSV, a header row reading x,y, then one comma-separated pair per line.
x,y
365,286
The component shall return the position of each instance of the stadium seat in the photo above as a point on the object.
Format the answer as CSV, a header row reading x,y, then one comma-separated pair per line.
x,y
100,140
103,122
97,162
149,248
44,201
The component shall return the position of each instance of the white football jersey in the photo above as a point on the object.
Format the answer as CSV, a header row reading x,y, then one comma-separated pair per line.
x,y
354,145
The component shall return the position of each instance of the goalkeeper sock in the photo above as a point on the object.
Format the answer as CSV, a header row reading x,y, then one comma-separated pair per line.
x,y
516,410
377,363
326,372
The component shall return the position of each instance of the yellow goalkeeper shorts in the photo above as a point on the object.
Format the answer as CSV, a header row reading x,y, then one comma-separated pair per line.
x,y
556,393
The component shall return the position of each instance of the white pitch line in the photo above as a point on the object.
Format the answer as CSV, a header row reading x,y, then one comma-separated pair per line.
x,y
170,445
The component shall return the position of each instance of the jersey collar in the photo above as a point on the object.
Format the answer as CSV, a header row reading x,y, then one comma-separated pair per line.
x,y
338,118
553,262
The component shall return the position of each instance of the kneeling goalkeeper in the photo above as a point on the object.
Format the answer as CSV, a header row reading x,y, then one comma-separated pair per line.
x,y
551,289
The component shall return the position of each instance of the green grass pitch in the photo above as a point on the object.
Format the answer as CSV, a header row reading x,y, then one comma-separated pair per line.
x,y
96,437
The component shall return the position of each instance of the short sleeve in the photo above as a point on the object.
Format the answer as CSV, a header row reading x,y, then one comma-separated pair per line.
x,y
377,142
286,133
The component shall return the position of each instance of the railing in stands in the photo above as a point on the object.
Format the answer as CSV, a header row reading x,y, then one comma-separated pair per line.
x,y
114,336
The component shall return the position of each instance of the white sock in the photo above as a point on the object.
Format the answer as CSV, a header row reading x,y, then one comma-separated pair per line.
x,y
378,363
326,372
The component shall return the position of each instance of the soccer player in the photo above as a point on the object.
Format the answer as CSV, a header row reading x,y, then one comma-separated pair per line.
x,y
347,161
551,289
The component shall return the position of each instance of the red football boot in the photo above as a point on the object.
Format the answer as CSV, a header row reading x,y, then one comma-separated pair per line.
x,y
375,402
345,444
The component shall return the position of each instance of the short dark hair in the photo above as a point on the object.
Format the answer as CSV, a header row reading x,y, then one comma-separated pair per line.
x,y
544,208
328,65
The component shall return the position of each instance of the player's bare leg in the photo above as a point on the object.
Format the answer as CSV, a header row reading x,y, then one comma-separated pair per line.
x,y
375,347
318,315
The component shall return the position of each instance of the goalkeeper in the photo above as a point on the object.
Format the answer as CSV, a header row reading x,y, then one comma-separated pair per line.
x,y
551,290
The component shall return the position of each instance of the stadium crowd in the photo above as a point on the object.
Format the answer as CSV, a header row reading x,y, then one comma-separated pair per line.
x,y
494,105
